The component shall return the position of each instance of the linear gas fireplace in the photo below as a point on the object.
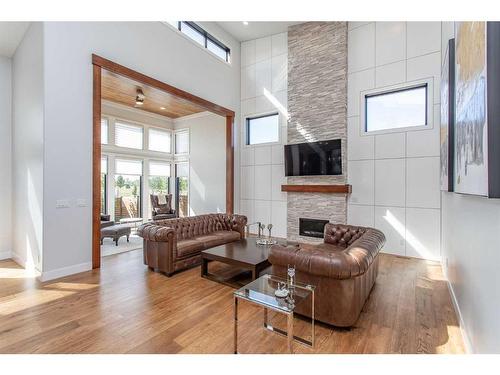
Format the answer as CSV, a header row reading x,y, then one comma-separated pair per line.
x,y
312,227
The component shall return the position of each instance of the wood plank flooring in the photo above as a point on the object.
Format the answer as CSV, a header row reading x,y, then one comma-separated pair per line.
x,y
125,308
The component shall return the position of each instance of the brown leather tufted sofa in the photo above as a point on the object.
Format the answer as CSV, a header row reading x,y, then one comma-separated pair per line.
x,y
175,244
343,269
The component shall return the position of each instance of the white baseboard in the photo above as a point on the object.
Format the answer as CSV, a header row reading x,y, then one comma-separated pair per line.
x,y
463,330
65,271
5,255
16,258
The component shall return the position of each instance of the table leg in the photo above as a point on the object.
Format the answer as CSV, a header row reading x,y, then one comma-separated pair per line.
x,y
255,273
265,317
204,267
235,325
290,332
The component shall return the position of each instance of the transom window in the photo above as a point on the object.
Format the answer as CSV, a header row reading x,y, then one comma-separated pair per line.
x,y
182,142
262,129
396,109
203,38
160,140
127,135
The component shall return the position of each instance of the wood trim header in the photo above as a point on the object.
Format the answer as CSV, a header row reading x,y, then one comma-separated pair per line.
x,y
136,76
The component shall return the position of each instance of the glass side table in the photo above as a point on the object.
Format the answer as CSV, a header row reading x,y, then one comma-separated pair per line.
x,y
261,292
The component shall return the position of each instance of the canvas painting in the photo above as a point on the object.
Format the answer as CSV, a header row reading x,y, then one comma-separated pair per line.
x,y
447,118
471,133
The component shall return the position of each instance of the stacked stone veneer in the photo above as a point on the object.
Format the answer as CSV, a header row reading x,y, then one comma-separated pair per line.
x,y
317,106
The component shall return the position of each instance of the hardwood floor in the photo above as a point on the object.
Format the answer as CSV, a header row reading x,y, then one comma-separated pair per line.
x,y
125,308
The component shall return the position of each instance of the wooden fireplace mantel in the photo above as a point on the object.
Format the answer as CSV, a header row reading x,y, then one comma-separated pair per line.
x,y
335,189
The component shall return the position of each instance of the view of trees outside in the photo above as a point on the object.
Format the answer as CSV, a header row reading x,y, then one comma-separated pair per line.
x,y
183,196
159,184
127,196
103,193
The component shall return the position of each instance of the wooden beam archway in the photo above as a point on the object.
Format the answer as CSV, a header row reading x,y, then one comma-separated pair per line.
x,y
100,63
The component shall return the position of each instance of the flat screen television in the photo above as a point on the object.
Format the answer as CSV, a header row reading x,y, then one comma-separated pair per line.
x,y
314,158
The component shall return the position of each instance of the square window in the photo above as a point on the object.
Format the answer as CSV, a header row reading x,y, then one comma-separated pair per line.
x,y
263,129
129,136
159,140
396,109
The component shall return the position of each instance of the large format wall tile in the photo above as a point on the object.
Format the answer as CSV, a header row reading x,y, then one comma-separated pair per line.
x,y
392,222
361,215
390,42
423,38
425,142
358,147
247,53
358,82
390,74
263,182
247,190
279,44
263,49
423,187
361,51
390,182
263,211
423,67
361,177
278,218
390,145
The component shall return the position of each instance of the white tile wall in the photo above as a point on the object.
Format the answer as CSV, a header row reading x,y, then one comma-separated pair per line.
x,y
264,67
361,51
390,182
395,176
390,41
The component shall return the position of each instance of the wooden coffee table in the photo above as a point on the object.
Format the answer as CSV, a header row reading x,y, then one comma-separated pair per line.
x,y
245,257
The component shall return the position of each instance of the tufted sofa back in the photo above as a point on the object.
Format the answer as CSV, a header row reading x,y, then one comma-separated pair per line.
x,y
342,235
189,227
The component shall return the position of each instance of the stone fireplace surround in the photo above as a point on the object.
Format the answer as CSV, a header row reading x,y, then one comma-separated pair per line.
x,y
317,105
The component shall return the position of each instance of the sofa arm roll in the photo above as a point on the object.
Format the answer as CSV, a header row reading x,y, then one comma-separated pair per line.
x,y
156,233
239,223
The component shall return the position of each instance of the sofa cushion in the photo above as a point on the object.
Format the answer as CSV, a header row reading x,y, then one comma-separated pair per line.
x,y
228,235
218,238
189,247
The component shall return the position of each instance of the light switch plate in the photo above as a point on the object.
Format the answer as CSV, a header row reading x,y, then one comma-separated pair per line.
x,y
62,203
81,202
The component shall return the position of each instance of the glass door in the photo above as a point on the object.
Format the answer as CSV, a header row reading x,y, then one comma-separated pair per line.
x,y
159,180
182,189
128,189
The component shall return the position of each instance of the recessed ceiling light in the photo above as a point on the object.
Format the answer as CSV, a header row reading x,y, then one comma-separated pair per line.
x,y
245,23
162,107
139,99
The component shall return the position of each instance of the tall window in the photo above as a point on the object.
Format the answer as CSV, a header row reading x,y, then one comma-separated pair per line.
x,y
200,36
182,189
160,140
127,135
182,142
396,109
263,129
104,131
104,185
128,178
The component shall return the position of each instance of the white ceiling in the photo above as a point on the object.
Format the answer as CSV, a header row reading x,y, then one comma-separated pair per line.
x,y
254,30
11,34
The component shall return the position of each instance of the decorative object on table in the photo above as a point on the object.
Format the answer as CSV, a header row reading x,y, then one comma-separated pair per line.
x,y
282,291
291,276
259,291
261,230
258,223
477,92
265,241
447,129
269,227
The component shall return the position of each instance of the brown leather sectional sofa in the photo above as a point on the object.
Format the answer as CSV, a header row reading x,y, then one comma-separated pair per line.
x,y
343,269
176,244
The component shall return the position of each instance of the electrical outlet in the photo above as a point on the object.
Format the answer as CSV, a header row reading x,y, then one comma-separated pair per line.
x,y
81,202
62,203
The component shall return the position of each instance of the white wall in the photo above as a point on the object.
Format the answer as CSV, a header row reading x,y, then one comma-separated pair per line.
x,y
207,162
264,67
5,157
470,253
149,47
395,177
27,148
